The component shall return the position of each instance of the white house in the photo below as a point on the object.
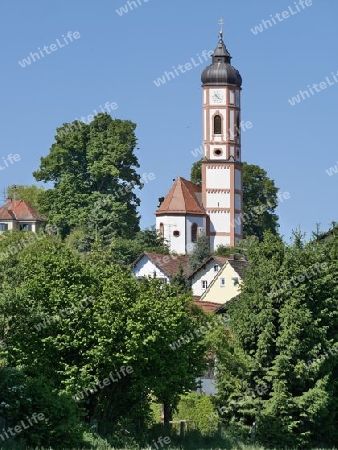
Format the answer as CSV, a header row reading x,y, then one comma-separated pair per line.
x,y
227,283
205,273
19,215
156,265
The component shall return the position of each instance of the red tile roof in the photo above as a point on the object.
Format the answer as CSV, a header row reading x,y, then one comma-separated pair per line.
x,y
208,307
182,199
169,264
20,210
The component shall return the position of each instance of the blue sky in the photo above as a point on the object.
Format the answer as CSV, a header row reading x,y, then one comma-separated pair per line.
x,y
117,58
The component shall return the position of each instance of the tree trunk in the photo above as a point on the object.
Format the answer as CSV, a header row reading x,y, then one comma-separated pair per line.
x,y
167,414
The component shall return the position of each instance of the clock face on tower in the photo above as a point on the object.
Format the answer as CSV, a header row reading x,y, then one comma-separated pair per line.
x,y
217,96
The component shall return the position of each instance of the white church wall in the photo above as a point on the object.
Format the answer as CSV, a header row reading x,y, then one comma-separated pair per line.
x,y
216,241
218,199
170,225
219,222
200,222
218,178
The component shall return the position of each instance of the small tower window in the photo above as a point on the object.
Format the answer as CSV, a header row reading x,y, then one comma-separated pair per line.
x,y
176,233
194,232
161,229
218,152
217,124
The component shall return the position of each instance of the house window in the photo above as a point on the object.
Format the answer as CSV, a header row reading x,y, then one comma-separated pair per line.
x,y
194,232
204,284
25,227
217,124
216,268
3,226
222,282
235,280
161,229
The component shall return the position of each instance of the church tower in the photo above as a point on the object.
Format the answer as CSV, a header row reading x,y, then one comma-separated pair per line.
x,y
222,196
215,208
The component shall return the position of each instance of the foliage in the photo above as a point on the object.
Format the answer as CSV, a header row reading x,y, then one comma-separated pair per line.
x,y
278,365
259,202
29,194
93,171
200,253
223,250
196,173
200,410
181,281
50,333
24,396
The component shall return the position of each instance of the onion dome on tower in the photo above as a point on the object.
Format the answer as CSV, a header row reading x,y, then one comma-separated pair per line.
x,y
221,72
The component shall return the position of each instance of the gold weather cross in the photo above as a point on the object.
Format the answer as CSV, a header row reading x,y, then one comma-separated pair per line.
x,y
221,23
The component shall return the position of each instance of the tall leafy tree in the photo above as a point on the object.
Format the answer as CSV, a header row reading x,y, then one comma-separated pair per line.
x,y
196,173
200,252
50,332
93,169
259,199
259,202
29,194
280,367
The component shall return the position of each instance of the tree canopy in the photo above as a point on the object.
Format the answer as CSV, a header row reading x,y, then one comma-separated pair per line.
x,y
278,364
93,169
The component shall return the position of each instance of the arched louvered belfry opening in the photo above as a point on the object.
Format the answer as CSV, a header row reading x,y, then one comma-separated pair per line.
x,y
217,124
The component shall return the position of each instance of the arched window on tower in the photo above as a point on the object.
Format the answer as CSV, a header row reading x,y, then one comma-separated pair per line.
x,y
161,229
194,232
217,124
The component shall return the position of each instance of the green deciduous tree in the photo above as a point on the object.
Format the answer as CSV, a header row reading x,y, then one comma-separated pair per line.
x,y
93,168
29,194
196,173
50,332
259,202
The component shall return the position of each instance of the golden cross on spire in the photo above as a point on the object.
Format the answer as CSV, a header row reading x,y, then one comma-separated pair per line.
x,y
221,23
